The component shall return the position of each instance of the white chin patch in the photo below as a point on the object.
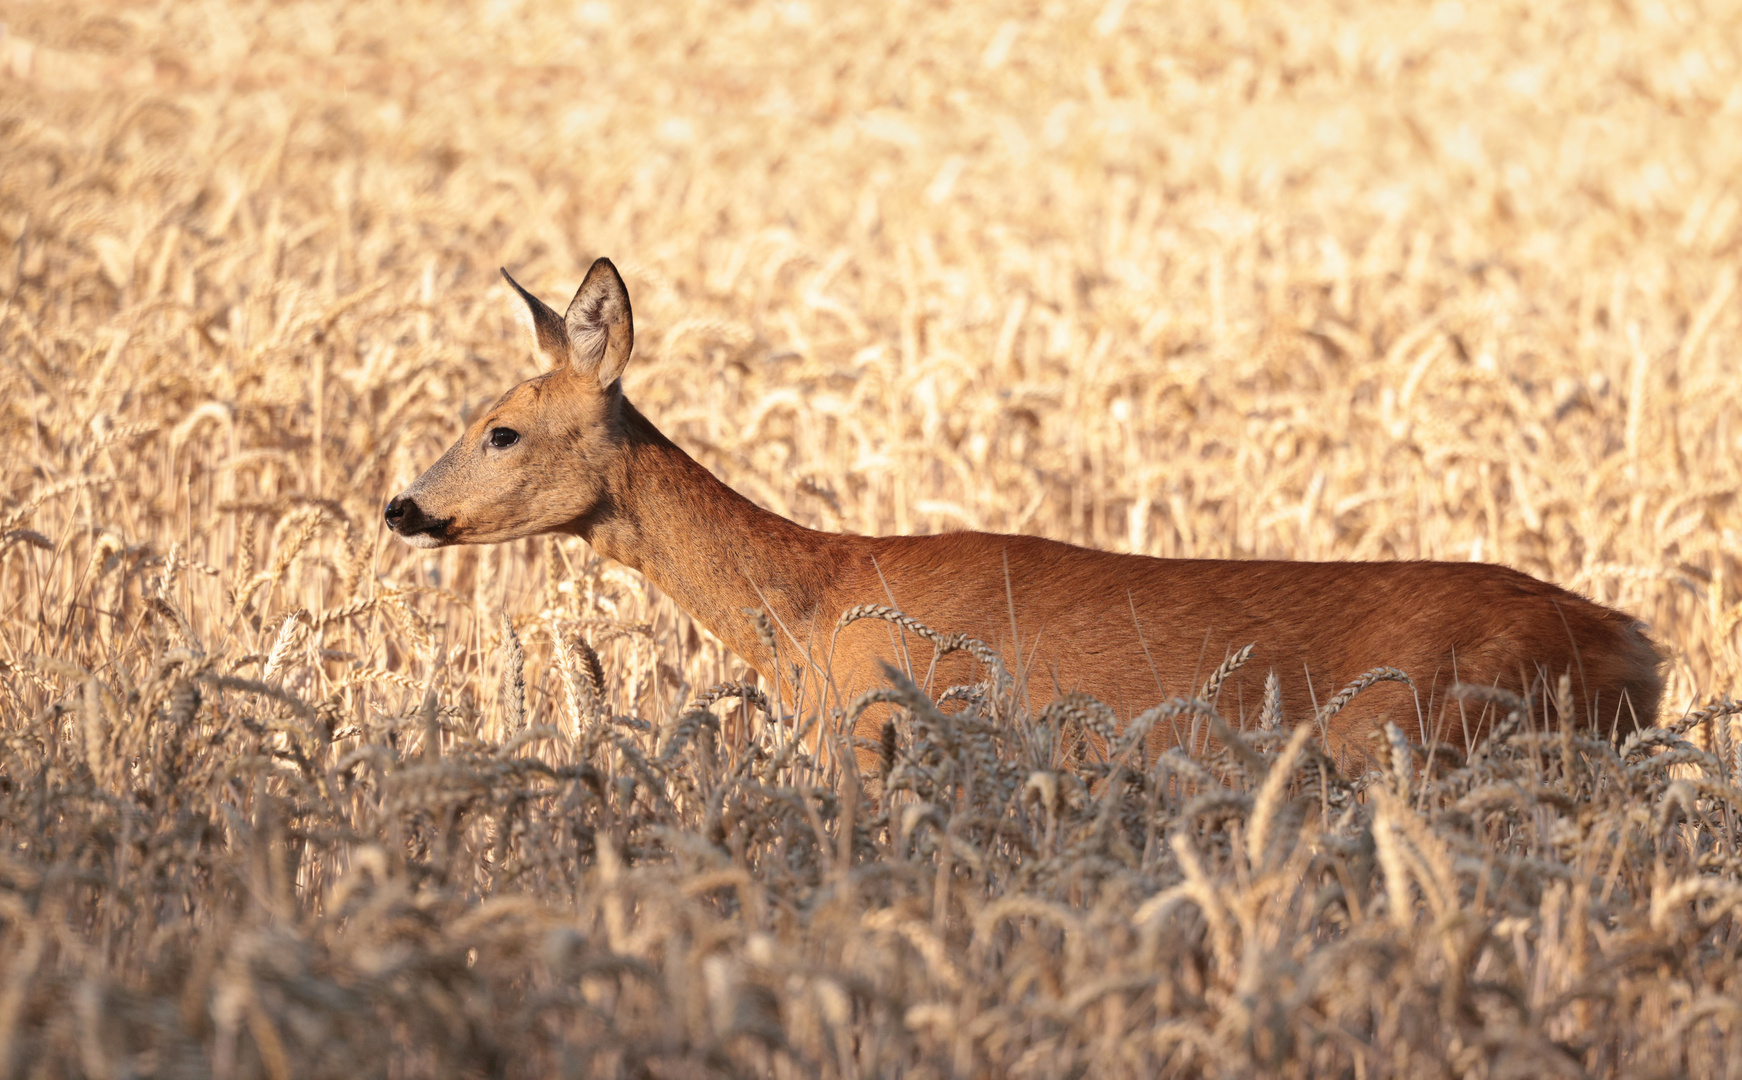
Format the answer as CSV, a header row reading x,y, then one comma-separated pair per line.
x,y
422,540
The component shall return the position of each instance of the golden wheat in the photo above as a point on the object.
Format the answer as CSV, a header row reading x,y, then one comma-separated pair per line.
x,y
279,798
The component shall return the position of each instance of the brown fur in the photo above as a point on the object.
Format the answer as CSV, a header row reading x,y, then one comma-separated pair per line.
x,y
1128,629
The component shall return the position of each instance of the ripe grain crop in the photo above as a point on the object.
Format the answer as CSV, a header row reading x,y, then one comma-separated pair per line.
x,y
280,798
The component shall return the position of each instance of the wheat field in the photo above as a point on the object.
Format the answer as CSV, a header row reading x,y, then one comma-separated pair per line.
x,y
282,797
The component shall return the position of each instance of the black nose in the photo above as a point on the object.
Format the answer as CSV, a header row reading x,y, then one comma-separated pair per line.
x,y
403,516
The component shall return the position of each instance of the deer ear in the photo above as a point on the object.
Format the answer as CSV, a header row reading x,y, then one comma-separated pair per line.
x,y
544,326
601,329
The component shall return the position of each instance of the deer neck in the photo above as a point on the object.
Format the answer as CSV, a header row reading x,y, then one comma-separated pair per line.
x,y
709,548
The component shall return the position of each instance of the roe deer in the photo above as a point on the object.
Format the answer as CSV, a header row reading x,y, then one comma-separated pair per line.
x,y
566,452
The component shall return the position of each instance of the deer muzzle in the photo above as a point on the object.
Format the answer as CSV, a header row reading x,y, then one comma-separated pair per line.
x,y
416,528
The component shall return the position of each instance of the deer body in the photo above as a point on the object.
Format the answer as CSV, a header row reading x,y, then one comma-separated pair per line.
x,y
566,452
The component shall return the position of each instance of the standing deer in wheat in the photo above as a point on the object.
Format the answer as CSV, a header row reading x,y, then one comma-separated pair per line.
x,y
567,453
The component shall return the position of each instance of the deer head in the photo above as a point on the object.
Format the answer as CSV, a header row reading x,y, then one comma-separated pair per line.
x,y
538,460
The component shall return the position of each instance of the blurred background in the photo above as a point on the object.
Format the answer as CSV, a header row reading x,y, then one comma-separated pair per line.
x,y
1338,281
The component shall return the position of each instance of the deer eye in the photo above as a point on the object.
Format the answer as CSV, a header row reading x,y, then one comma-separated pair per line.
x,y
502,437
